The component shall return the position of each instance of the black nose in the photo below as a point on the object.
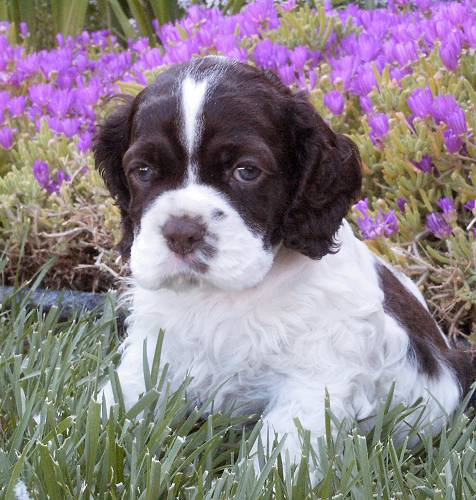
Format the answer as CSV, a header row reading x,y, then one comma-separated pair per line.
x,y
183,234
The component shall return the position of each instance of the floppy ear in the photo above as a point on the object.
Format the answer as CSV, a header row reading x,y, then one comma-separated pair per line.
x,y
327,180
110,145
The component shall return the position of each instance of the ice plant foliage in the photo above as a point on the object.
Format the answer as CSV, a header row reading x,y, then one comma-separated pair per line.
x,y
399,80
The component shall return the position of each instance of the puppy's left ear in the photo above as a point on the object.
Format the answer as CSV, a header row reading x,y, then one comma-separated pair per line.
x,y
327,179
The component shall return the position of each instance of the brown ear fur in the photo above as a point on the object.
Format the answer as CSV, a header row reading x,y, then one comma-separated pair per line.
x,y
328,180
110,145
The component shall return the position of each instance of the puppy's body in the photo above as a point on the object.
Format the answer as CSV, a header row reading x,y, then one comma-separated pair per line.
x,y
232,192
275,349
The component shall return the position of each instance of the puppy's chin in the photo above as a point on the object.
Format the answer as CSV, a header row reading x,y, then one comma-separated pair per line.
x,y
181,281
177,281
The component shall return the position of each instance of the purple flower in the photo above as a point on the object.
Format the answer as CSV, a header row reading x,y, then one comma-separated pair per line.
x,y
65,78
470,205
298,57
16,106
383,224
362,206
405,52
263,54
448,207
366,104
24,30
286,73
390,223
60,103
425,164
438,225
364,80
470,33
69,126
401,203
455,12
63,85
155,25
312,76
54,124
54,185
61,177
452,142
41,172
449,54
456,121
60,39
343,69
4,99
443,105
368,47
334,100
446,109
421,102
85,142
7,135
399,73
263,13
380,127
41,94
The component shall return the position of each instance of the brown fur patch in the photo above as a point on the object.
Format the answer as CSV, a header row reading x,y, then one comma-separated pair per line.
x,y
427,344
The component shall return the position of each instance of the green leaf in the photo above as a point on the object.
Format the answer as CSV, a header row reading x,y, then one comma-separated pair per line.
x,y
122,19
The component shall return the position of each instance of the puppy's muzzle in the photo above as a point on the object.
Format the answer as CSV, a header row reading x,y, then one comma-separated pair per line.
x,y
184,234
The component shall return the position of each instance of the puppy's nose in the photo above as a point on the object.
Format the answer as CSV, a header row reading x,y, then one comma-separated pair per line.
x,y
183,234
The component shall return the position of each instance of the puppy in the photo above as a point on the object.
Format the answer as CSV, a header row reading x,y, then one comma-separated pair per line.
x,y
233,192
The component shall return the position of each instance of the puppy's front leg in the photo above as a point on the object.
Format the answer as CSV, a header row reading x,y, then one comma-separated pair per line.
x,y
306,403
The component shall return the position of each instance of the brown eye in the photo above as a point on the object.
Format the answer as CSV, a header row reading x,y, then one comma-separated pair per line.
x,y
143,173
246,173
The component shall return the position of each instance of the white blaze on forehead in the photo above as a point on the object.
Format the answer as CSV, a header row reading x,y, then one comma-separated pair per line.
x,y
193,97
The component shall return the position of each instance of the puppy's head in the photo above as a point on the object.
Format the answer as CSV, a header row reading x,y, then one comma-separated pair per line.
x,y
214,166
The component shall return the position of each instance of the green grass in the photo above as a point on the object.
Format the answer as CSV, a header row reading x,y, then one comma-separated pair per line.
x,y
72,449
72,17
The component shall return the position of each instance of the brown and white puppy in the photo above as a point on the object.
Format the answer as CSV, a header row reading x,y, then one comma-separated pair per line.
x,y
233,193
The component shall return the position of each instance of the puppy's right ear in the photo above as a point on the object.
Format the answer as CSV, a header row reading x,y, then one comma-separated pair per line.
x,y
110,145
